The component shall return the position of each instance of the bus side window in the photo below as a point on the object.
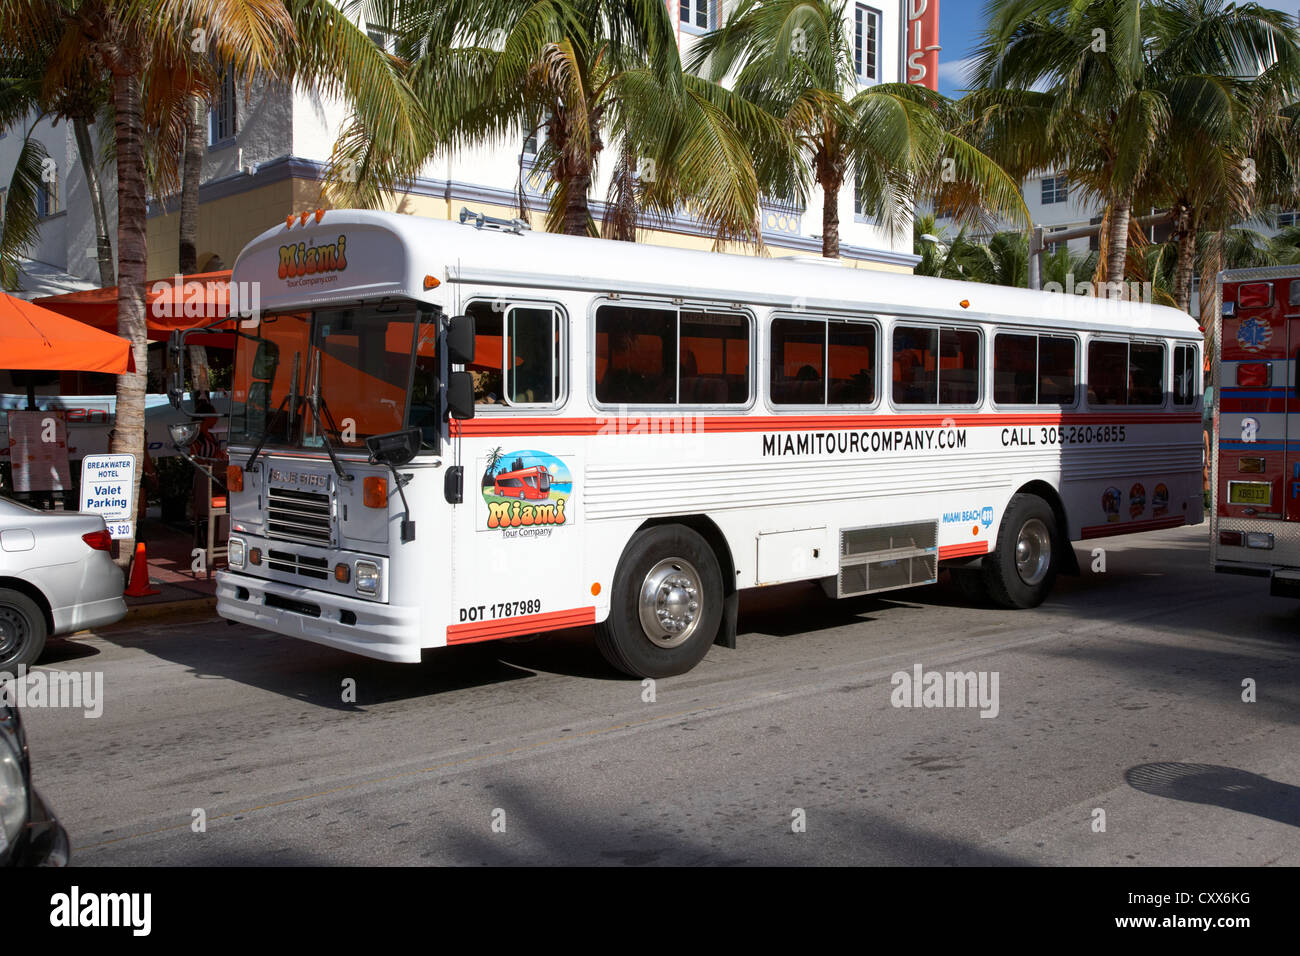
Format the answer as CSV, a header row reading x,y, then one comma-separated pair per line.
x,y
530,356
1185,372
486,367
1146,374
1108,373
1056,363
916,370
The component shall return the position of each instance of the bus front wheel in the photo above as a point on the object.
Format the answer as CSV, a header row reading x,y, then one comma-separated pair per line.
x,y
666,604
1022,569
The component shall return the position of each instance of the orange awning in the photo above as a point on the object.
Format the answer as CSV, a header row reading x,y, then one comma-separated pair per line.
x,y
170,304
35,338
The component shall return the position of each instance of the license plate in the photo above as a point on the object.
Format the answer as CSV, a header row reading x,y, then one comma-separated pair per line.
x,y
1250,493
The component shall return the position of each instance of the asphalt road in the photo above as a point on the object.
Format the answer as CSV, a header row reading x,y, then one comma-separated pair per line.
x,y
1122,694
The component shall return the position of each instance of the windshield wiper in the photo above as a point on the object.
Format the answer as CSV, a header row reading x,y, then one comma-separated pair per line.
x,y
313,402
266,432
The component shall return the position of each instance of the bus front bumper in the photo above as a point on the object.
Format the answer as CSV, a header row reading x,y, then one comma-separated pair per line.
x,y
386,632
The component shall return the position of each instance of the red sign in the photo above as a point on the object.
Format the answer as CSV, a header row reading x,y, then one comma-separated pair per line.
x,y
923,43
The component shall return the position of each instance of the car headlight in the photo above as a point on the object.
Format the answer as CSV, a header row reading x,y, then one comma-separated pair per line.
x,y
13,792
235,553
367,577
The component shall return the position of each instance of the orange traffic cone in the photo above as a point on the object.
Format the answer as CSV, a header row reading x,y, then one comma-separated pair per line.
x,y
139,584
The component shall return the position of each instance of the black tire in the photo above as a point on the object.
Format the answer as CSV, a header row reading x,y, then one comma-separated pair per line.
x,y
671,555
22,630
969,582
1028,518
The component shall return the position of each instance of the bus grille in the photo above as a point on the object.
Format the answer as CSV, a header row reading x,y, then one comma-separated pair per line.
x,y
291,563
298,516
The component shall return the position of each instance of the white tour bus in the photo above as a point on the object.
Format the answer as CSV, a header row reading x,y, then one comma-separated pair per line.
x,y
444,433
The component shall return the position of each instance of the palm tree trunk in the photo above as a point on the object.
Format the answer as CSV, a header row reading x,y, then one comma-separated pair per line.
x,y
103,245
1186,264
830,184
1117,254
577,208
128,434
192,173
1211,264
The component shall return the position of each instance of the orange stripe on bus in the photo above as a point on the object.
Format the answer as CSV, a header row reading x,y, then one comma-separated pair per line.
x,y
963,550
525,624
1132,527
715,424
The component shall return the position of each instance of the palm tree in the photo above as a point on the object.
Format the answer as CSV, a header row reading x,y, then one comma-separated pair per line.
x,y
328,51
1119,94
141,48
592,74
793,59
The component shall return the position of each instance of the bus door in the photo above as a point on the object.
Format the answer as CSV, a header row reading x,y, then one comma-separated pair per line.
x,y
1259,408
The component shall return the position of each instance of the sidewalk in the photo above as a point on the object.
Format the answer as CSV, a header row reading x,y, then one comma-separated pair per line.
x,y
170,552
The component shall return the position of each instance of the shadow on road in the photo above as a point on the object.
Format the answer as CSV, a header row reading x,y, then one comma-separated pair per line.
x,y
1225,787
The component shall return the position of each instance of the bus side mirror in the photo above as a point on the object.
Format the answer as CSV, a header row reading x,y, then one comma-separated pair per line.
x,y
394,448
460,395
460,341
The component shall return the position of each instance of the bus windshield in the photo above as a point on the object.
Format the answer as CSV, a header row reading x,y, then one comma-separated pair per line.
x,y
358,359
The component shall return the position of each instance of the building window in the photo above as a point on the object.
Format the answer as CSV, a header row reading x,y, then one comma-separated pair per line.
x,y
1287,220
47,200
860,211
866,42
701,14
223,110
936,366
1055,190
1033,370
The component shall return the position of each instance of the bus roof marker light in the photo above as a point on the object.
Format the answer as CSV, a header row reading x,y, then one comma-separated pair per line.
x,y
431,282
320,214
965,303
303,217
288,221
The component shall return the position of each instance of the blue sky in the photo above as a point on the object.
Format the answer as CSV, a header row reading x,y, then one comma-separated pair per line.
x,y
962,21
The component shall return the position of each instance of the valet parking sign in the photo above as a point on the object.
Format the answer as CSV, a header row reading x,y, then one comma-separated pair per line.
x,y
106,483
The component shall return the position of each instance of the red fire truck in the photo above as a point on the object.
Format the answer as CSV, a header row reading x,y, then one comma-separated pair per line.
x,y
1255,518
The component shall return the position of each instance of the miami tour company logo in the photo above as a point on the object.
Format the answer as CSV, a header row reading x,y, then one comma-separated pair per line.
x,y
526,492
75,909
70,690
305,258
922,688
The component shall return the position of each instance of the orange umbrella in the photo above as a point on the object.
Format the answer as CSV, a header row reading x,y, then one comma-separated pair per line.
x,y
35,338
170,303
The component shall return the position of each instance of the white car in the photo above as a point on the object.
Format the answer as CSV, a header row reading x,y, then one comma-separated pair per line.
x,y
56,576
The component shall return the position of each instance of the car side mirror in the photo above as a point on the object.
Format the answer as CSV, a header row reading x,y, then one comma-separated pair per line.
x,y
460,395
460,340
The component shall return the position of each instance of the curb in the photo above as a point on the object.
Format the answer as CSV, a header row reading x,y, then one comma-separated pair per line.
x,y
142,612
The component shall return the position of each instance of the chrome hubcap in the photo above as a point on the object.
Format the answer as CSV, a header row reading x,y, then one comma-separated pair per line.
x,y
1033,551
669,606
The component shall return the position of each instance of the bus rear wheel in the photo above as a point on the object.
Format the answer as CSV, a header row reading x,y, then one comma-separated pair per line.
x,y
666,604
1022,569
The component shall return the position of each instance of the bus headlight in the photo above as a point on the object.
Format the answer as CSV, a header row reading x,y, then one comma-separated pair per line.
x,y
235,553
367,577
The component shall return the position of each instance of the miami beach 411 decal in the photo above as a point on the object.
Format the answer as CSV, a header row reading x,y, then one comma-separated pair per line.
x,y
526,492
